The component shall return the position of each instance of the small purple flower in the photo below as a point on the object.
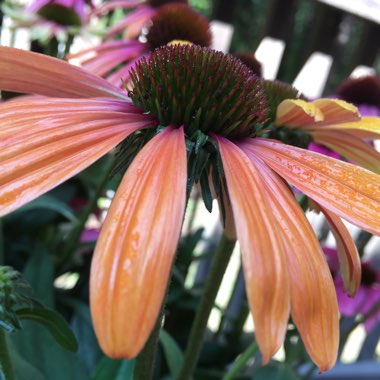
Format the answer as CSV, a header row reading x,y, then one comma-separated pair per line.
x,y
368,294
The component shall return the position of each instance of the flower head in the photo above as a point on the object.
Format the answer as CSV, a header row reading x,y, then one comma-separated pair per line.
x,y
202,113
51,18
61,12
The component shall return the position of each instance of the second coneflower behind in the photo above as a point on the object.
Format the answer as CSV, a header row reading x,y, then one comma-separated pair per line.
x,y
200,112
113,60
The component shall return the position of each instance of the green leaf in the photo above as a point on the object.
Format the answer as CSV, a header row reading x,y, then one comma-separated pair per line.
x,y
275,371
39,273
50,202
35,344
56,325
108,369
173,353
89,351
23,369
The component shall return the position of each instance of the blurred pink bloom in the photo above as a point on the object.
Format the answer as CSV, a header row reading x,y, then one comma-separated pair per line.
x,y
367,296
78,6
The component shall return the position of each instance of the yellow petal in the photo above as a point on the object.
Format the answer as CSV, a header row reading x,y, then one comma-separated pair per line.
x,y
41,149
337,111
33,73
314,306
351,147
345,189
368,126
349,260
262,250
297,113
136,246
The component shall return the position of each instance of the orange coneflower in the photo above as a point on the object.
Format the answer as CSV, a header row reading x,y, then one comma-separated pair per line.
x,y
113,60
205,111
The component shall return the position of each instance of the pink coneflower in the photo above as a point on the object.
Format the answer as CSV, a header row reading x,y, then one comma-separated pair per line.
x,y
61,12
113,60
367,296
199,111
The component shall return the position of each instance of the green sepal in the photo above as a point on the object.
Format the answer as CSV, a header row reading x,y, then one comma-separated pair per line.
x,y
206,192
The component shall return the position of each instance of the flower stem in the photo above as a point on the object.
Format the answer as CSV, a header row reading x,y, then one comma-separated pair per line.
x,y
144,368
73,237
6,368
241,361
215,277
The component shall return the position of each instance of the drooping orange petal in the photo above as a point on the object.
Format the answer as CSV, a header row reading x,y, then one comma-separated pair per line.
x,y
42,152
297,113
136,247
349,259
314,306
345,189
337,111
33,73
262,249
350,147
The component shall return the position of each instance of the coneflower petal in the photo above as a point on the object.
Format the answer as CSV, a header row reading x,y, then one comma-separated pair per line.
x,y
39,151
337,111
314,306
366,127
349,259
109,6
350,147
345,189
137,243
104,62
134,20
297,113
33,73
262,249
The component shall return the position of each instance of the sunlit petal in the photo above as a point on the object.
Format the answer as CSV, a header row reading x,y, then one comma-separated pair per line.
x,y
345,189
336,110
33,73
350,147
297,113
313,301
349,259
262,250
40,150
368,124
135,250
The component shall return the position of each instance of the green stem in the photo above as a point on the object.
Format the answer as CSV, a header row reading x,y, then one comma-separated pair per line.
x,y
73,237
144,368
193,212
241,361
6,368
215,277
